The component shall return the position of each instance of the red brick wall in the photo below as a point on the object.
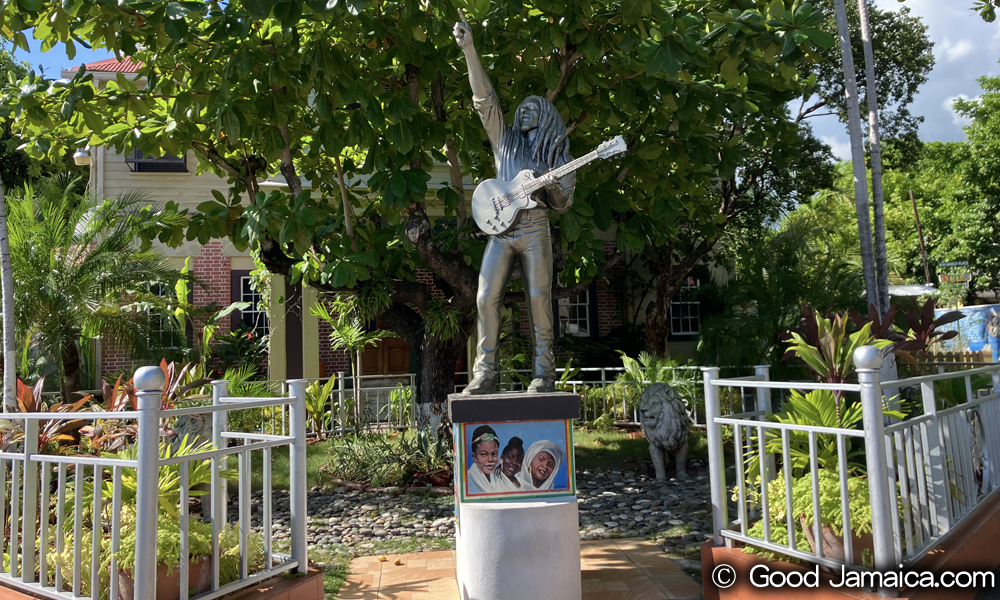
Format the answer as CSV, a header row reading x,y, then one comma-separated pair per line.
x,y
331,361
213,269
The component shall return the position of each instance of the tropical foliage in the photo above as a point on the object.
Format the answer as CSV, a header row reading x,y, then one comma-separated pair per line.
x,y
79,265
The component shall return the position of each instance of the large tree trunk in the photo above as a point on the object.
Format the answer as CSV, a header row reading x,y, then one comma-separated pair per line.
x,y
70,370
435,380
7,291
857,157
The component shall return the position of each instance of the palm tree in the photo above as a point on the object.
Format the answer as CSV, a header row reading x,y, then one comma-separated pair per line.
x,y
871,97
7,291
857,155
79,264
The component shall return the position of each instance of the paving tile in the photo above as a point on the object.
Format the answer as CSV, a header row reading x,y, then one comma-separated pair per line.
x,y
616,586
593,585
644,589
608,596
629,569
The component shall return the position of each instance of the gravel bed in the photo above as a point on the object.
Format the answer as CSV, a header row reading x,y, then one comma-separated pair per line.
x,y
612,504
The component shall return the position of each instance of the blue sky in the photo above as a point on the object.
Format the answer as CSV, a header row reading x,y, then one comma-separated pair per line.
x,y
965,48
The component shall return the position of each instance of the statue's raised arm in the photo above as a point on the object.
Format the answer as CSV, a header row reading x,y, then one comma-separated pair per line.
x,y
483,96
481,86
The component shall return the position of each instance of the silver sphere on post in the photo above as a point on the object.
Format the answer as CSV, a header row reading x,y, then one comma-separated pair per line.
x,y
149,379
868,357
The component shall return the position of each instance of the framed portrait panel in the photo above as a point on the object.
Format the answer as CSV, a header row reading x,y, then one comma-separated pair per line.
x,y
513,460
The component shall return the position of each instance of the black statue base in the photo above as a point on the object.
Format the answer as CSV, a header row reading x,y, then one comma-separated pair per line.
x,y
513,406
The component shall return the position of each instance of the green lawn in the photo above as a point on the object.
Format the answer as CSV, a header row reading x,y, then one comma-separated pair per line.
x,y
316,456
617,448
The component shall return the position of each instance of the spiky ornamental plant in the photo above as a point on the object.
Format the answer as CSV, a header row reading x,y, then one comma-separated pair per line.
x,y
77,263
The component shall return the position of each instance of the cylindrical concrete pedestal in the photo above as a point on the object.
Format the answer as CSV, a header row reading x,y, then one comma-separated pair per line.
x,y
512,550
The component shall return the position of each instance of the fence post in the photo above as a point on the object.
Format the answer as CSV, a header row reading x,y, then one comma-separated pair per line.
x,y
763,372
297,474
939,486
340,402
149,382
868,360
30,508
220,422
716,459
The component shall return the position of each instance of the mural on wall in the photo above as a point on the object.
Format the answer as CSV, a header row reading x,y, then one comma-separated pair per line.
x,y
978,331
514,460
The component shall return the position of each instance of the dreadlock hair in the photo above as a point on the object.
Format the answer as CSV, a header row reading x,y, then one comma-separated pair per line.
x,y
551,143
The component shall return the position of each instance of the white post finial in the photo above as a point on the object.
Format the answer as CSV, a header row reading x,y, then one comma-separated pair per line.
x,y
868,357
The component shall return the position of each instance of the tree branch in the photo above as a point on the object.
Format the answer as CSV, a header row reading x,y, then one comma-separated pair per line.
x,y
450,267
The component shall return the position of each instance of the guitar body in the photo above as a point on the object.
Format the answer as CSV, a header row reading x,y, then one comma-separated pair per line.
x,y
497,205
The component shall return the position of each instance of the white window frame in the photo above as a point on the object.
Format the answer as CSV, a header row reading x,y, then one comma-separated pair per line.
x,y
684,311
568,324
257,318
163,329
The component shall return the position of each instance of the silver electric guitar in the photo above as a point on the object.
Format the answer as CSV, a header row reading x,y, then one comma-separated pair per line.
x,y
497,204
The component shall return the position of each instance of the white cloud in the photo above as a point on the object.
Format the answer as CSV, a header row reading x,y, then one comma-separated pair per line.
x,y
841,148
956,119
952,52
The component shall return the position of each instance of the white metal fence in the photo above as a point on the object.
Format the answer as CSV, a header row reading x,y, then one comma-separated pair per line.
x,y
63,543
925,475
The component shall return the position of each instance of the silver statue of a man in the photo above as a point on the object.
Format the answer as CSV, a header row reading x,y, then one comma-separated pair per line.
x,y
537,141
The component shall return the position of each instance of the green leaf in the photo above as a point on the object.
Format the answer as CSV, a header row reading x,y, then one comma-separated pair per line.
x,y
231,124
258,9
176,28
631,11
602,214
30,5
666,58
552,74
176,10
288,13
731,69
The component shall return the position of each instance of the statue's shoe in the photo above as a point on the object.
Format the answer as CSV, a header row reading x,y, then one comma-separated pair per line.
x,y
480,384
541,386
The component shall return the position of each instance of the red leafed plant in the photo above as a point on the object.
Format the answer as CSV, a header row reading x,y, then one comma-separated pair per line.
x,y
53,435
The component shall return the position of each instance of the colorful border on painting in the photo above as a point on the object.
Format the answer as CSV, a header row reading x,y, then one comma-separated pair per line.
x,y
461,485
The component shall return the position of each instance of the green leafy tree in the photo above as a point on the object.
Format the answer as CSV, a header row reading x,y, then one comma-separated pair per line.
x,y
375,92
78,264
903,56
977,227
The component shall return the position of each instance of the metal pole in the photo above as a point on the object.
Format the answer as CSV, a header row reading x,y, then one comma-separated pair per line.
x,y
716,459
868,360
297,474
149,382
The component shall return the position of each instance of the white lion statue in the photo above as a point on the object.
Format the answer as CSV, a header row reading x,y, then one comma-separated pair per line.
x,y
664,418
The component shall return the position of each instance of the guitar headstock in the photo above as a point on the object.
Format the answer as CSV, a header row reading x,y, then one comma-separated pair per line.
x,y
612,147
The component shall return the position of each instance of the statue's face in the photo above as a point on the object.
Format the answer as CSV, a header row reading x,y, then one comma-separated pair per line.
x,y
527,115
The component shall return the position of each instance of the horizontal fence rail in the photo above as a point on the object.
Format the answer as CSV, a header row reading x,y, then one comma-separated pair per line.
x,y
774,484
79,525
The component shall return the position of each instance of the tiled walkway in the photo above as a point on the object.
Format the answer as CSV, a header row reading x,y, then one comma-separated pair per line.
x,y
625,569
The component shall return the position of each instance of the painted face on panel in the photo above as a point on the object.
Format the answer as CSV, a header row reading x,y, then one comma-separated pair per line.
x,y
541,467
512,460
486,456
527,115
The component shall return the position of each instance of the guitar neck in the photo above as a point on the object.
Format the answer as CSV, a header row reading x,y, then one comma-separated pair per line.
x,y
564,170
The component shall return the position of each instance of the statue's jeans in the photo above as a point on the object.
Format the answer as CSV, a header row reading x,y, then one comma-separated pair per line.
x,y
531,241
